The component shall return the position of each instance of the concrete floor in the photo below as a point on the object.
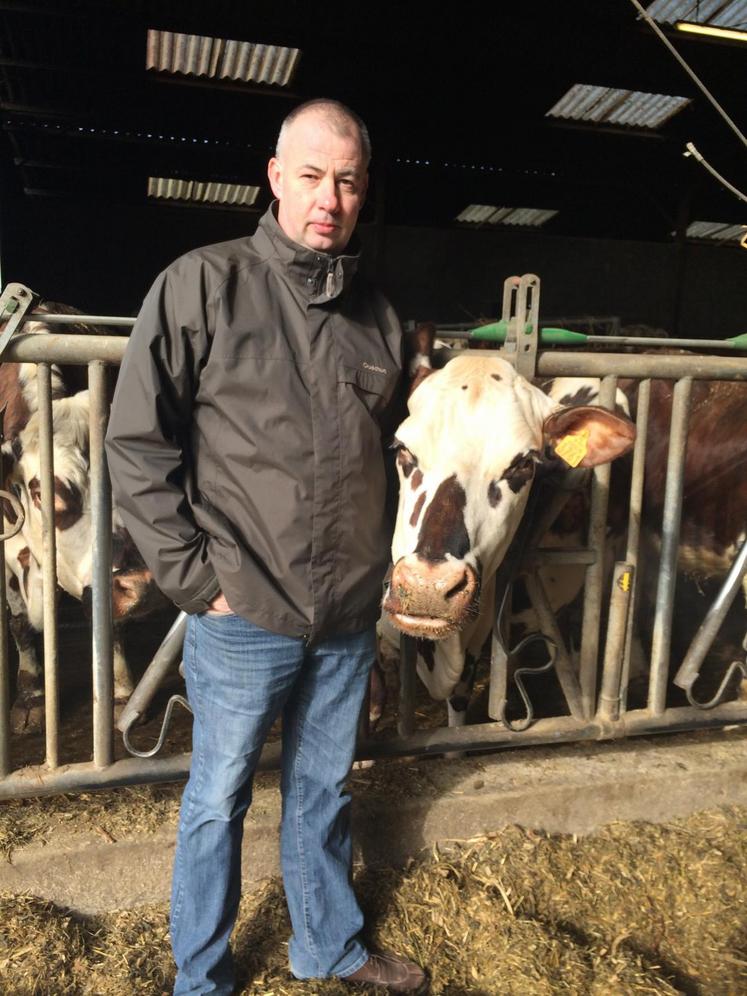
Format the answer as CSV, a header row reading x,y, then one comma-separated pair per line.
x,y
401,807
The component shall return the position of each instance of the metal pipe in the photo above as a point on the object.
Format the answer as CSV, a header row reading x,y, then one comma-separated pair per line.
x,y
49,564
163,661
54,348
689,670
101,572
4,655
553,363
609,698
51,319
563,664
408,653
635,513
60,348
670,530
594,580
38,781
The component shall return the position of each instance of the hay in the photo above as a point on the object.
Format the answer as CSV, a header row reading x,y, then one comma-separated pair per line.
x,y
634,909
112,815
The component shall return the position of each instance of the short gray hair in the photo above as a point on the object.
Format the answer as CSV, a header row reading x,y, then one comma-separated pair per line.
x,y
337,116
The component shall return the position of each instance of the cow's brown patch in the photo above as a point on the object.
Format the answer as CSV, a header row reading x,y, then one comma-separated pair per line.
x,y
494,493
582,396
443,530
68,501
407,461
417,510
417,479
496,377
520,471
24,559
16,412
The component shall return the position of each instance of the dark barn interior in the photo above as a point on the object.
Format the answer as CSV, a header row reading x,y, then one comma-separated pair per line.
x,y
458,105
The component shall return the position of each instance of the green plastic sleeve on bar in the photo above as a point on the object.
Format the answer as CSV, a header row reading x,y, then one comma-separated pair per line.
x,y
496,332
737,341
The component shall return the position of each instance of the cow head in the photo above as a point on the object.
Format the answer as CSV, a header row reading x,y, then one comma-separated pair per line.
x,y
133,589
467,454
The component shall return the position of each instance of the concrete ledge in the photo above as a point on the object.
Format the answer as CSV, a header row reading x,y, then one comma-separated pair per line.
x,y
401,807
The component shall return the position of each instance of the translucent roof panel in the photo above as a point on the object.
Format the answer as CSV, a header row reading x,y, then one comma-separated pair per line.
x,y
488,214
202,192
607,105
219,58
716,231
722,13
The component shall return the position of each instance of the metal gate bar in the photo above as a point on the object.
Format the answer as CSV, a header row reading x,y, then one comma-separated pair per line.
x,y
593,585
634,526
97,351
4,656
101,572
49,564
662,634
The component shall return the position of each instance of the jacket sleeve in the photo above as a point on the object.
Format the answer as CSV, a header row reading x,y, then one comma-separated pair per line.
x,y
148,439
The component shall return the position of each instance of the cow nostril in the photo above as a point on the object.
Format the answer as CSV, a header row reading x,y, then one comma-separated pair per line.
x,y
458,587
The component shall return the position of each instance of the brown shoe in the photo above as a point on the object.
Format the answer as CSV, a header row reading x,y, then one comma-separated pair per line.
x,y
397,974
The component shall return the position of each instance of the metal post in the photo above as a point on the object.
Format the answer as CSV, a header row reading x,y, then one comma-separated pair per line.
x,y
4,659
101,572
49,564
609,698
662,634
634,525
594,581
408,653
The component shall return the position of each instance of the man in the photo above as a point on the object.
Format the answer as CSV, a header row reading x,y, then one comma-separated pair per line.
x,y
245,452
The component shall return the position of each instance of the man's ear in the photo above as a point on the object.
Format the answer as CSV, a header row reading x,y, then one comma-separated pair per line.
x,y
275,176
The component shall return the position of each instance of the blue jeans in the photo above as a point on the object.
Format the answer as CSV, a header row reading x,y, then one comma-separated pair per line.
x,y
240,678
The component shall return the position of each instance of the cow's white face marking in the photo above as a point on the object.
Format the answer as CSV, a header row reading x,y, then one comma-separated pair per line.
x,y
472,437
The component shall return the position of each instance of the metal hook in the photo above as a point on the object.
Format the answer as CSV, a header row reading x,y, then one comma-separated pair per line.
x,y
518,726
711,703
164,728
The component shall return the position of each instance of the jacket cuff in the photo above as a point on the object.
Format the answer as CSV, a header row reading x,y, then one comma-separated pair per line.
x,y
201,601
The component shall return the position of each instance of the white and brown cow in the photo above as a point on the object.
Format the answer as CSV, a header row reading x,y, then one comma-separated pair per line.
x,y
476,435
133,590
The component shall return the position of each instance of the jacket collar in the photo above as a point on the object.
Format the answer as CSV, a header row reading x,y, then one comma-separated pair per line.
x,y
320,276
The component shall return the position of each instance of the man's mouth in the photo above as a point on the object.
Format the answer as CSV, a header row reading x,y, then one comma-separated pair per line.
x,y
323,227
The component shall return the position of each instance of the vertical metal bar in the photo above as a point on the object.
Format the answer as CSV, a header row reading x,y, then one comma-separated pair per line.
x,y
662,634
101,572
408,653
594,581
549,627
4,658
49,563
634,525
609,697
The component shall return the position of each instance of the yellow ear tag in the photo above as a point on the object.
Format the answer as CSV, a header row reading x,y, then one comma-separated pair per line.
x,y
573,447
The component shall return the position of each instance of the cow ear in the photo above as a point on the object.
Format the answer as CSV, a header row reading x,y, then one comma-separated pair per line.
x,y
419,347
586,436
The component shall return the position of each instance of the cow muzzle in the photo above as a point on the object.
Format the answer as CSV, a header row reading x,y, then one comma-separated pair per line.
x,y
431,600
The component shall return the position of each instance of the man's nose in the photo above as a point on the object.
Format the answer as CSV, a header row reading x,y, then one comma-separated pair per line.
x,y
328,198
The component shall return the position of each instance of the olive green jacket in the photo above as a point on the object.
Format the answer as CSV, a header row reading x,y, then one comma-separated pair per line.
x,y
245,438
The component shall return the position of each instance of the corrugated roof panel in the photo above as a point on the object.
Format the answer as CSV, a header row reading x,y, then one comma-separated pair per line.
x,y
477,214
716,231
607,105
734,15
717,12
202,191
219,58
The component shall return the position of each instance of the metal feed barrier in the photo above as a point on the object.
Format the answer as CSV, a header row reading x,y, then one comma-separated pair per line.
x,y
596,701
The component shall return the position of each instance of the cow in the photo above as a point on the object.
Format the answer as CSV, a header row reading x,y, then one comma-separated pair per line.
x,y
476,437
714,500
133,590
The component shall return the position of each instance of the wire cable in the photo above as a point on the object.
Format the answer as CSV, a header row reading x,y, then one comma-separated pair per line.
x,y
692,151
655,27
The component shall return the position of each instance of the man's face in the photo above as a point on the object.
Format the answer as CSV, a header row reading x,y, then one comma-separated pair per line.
x,y
320,182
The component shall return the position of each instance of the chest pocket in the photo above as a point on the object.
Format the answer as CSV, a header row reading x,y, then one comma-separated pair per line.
x,y
372,385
